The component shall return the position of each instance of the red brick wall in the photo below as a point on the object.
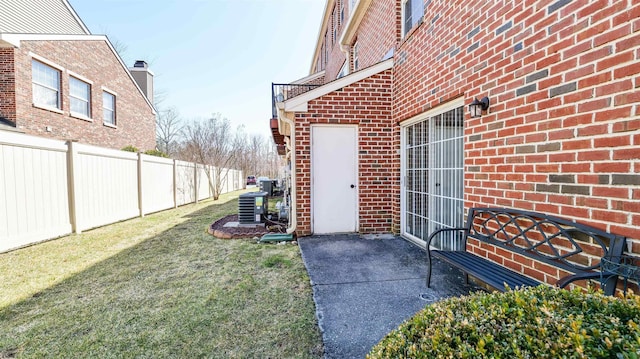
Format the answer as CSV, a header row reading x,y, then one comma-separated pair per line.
x,y
562,135
367,104
378,32
336,60
94,61
7,85
335,56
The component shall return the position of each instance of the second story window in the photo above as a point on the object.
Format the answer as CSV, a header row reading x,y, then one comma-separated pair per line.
x,y
108,108
356,65
46,85
79,97
342,11
412,13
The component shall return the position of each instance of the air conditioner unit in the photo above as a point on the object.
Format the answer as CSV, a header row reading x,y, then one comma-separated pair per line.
x,y
268,186
252,207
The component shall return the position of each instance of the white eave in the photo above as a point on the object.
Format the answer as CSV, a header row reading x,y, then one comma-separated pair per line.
x,y
75,16
13,40
351,27
326,16
300,103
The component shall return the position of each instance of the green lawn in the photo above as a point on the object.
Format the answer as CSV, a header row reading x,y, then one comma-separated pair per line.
x,y
156,287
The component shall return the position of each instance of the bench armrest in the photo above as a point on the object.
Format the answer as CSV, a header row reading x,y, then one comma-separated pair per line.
x,y
565,281
436,233
609,285
428,247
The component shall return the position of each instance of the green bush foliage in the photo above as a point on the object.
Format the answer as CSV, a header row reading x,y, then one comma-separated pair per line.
x,y
156,153
130,149
541,322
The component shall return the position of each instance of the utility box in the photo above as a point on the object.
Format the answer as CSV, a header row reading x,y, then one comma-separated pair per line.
x,y
252,207
268,186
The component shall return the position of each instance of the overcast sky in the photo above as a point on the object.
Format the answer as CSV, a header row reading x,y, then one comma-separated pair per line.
x,y
213,56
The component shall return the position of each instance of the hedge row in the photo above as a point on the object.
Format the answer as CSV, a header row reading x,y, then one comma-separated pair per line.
x,y
541,322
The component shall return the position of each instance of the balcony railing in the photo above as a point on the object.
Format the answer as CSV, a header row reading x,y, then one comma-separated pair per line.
x,y
283,92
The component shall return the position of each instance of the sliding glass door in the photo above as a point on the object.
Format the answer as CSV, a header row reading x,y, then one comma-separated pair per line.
x,y
433,173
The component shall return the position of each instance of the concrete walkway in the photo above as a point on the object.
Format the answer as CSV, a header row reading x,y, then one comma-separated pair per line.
x,y
364,288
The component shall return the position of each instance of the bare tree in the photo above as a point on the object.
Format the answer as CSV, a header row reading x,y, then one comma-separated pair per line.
x,y
255,148
212,142
169,128
250,155
119,46
266,160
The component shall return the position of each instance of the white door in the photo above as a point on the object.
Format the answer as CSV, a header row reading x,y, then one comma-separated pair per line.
x,y
334,184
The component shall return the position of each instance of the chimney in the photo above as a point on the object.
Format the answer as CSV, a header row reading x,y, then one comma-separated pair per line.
x,y
144,78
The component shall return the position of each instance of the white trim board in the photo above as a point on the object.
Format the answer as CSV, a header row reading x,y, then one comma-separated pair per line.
x,y
299,103
455,103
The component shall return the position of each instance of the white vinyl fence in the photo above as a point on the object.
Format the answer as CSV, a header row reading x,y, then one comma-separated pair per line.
x,y
51,188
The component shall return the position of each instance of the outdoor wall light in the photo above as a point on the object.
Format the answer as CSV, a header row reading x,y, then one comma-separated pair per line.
x,y
476,107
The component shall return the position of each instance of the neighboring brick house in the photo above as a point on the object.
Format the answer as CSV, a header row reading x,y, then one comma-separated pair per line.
x,y
58,80
561,134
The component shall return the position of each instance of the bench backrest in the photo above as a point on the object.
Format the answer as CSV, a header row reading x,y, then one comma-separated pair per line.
x,y
571,246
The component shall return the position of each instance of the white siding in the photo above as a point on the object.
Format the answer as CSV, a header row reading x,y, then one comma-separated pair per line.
x,y
38,17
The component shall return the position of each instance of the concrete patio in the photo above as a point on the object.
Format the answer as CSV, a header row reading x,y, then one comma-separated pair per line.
x,y
365,287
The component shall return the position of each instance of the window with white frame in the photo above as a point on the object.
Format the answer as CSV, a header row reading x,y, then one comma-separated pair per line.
x,y
356,65
335,24
46,85
341,11
412,13
108,108
79,97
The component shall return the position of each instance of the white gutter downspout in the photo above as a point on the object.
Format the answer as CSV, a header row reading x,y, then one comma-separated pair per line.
x,y
293,217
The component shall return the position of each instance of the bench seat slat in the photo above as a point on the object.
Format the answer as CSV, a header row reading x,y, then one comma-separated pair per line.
x,y
489,272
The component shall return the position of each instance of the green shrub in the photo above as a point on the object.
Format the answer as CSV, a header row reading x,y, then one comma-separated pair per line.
x,y
542,322
156,153
130,149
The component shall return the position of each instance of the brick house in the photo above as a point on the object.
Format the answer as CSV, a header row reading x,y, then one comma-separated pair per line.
x,y
380,138
58,80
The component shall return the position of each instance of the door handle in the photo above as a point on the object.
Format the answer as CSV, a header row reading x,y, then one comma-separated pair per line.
x,y
353,186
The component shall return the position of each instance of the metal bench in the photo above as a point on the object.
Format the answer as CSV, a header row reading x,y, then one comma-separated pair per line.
x,y
524,240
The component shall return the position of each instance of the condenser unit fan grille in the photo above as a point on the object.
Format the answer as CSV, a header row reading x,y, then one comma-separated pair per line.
x,y
251,207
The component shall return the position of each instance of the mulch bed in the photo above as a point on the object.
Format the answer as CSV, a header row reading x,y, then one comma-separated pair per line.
x,y
217,229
